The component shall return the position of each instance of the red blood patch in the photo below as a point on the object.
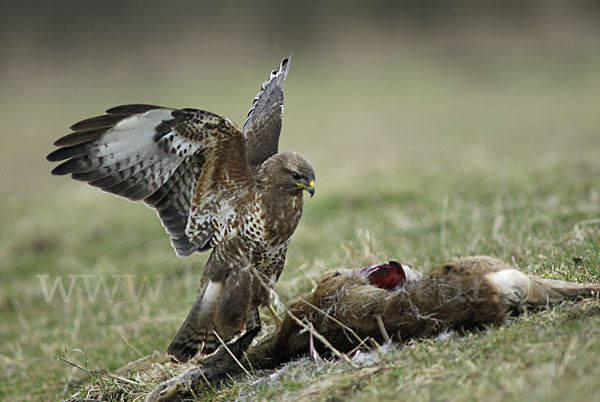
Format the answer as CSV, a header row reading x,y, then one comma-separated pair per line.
x,y
385,275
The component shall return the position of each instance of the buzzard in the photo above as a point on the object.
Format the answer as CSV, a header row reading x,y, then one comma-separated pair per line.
x,y
213,186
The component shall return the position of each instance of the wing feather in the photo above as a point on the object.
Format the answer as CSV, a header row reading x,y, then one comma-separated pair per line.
x,y
128,110
104,121
263,124
80,137
162,156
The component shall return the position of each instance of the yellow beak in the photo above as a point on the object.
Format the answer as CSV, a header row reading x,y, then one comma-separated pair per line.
x,y
310,188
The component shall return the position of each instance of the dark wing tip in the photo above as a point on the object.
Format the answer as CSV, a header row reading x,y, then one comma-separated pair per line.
x,y
280,74
70,166
104,121
285,63
283,69
61,154
51,157
80,137
56,172
134,108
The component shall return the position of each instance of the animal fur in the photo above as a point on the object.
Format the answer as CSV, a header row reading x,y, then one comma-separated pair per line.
x,y
463,294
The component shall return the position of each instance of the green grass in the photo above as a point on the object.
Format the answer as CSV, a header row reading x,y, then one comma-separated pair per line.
x,y
417,159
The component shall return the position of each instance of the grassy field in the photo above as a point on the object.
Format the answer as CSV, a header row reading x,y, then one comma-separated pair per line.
x,y
419,158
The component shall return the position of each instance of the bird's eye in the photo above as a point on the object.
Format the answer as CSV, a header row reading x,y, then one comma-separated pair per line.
x,y
296,176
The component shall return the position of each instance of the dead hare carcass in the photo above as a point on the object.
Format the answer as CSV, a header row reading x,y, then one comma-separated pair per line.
x,y
382,302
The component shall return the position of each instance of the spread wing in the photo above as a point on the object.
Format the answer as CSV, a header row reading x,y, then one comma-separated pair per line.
x,y
263,124
172,159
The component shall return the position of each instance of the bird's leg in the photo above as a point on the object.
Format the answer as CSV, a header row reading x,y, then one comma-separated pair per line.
x,y
274,314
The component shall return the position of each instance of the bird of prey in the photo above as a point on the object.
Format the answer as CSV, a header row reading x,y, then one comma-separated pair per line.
x,y
213,186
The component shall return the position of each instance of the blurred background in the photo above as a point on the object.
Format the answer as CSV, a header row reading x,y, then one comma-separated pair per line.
x,y
363,74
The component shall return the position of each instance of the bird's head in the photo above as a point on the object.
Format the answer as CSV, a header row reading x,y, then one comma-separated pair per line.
x,y
385,275
290,171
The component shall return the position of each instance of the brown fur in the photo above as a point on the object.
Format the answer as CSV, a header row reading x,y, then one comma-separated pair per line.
x,y
456,295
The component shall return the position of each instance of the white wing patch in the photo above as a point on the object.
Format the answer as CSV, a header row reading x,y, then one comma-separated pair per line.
x,y
140,122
